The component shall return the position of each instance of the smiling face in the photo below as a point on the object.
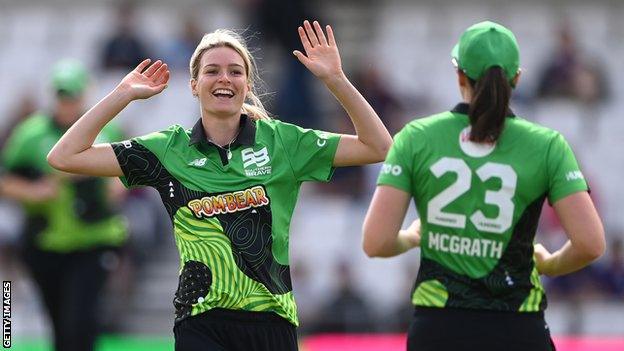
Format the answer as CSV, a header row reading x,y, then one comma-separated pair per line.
x,y
221,84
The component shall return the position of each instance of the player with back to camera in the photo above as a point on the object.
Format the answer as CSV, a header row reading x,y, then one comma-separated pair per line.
x,y
479,176
230,184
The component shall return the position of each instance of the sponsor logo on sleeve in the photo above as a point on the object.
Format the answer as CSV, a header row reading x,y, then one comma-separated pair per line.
x,y
574,175
322,140
388,168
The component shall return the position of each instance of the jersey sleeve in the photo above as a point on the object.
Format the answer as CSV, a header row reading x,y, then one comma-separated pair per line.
x,y
15,152
396,170
140,158
564,174
310,152
20,157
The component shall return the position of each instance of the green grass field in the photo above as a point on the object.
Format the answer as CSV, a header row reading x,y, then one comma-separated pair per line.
x,y
105,343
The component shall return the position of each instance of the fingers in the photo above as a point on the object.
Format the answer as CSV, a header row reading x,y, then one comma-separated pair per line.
x,y
301,57
310,32
153,68
159,89
164,79
142,65
330,35
319,33
160,73
307,46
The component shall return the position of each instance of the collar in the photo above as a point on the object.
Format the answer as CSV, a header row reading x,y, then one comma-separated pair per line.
x,y
463,108
246,135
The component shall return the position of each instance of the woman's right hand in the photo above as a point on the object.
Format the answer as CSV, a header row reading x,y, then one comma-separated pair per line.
x,y
145,80
412,233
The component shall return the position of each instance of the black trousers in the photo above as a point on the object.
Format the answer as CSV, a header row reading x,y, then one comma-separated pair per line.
x,y
441,329
231,330
70,285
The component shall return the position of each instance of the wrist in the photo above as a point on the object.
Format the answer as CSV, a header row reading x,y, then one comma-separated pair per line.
x,y
335,80
547,267
123,94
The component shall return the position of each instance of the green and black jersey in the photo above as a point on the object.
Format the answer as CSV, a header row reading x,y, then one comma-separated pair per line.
x,y
80,217
231,210
479,206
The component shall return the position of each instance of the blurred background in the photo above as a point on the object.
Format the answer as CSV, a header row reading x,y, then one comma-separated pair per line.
x,y
397,53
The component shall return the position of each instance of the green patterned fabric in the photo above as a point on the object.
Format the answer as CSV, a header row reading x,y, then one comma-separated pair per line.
x,y
231,210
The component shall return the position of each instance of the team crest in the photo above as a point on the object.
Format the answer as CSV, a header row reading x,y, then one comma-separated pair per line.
x,y
256,163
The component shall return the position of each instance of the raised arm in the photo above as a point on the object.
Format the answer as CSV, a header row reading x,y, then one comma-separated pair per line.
x,y
321,57
75,152
586,242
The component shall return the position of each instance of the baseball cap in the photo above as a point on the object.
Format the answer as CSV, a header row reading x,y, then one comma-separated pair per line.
x,y
69,77
484,45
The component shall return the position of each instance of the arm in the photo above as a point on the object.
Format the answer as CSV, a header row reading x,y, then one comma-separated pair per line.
x,y
585,233
75,152
372,142
29,191
382,234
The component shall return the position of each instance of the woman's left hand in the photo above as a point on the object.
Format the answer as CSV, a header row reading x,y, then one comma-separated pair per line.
x,y
321,53
542,256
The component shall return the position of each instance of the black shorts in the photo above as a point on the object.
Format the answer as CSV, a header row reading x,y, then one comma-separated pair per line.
x,y
233,330
440,329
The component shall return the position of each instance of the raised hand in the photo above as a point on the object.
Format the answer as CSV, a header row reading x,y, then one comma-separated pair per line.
x,y
145,80
321,53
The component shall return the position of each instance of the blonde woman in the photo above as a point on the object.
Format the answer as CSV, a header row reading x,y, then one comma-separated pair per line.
x,y
230,184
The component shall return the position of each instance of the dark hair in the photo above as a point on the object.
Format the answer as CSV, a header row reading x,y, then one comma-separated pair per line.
x,y
489,105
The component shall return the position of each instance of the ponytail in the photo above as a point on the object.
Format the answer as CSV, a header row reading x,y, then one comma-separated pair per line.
x,y
489,105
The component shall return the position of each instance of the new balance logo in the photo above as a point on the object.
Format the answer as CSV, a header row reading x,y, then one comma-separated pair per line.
x,y
198,162
574,175
259,158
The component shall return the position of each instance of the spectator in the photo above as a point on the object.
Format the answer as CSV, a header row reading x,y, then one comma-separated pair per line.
x,y
610,274
125,49
570,74
178,51
347,310
274,20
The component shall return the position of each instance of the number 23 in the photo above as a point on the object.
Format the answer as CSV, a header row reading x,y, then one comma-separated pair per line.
x,y
500,198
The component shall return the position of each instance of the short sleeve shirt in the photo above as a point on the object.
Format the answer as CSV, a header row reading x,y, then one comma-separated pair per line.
x,y
479,206
80,217
231,210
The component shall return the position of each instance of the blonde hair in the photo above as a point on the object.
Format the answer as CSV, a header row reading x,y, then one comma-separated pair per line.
x,y
226,38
